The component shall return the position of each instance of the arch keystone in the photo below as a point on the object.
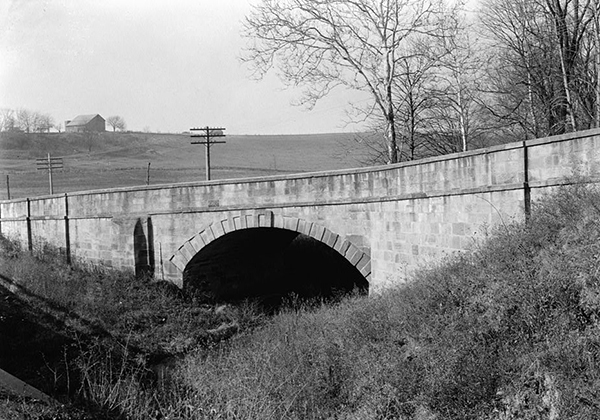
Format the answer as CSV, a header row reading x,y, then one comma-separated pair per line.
x,y
265,219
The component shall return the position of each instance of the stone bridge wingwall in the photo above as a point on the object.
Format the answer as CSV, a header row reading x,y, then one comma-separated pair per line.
x,y
385,220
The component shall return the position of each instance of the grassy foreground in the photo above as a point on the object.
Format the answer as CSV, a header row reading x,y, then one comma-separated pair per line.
x,y
510,331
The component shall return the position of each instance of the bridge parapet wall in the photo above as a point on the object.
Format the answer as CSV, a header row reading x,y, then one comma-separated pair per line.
x,y
494,168
405,214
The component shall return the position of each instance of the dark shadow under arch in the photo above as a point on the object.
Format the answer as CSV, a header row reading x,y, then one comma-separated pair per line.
x,y
269,264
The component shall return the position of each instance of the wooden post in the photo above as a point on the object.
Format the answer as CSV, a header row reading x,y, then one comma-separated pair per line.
x,y
207,154
526,188
50,175
208,132
8,187
28,222
49,164
67,233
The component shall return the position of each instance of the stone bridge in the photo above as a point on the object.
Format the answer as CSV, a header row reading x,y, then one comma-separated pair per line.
x,y
368,227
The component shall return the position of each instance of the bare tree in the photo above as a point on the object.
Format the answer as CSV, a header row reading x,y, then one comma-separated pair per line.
x,y
323,44
457,118
546,63
90,138
597,61
438,101
44,123
8,119
456,76
27,120
116,122
412,100
571,21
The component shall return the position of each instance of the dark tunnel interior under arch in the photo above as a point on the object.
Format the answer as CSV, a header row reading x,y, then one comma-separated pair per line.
x,y
269,265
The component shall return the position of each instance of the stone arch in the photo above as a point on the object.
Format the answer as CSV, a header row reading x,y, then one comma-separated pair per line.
x,y
267,219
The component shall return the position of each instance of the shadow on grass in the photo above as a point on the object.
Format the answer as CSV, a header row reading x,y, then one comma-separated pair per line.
x,y
41,342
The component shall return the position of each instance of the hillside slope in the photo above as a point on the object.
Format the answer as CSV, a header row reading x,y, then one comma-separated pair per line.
x,y
105,160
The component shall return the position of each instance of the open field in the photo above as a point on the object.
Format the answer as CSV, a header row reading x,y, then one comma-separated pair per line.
x,y
109,160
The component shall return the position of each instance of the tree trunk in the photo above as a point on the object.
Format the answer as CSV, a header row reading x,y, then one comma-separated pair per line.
x,y
413,126
536,130
392,147
597,27
565,46
565,79
461,119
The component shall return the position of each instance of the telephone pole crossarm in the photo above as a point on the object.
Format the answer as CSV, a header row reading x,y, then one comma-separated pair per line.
x,y
207,133
49,164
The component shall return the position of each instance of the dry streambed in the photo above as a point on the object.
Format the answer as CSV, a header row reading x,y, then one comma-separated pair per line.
x,y
56,349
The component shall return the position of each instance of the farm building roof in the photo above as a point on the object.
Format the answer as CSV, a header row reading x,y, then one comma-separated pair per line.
x,y
82,119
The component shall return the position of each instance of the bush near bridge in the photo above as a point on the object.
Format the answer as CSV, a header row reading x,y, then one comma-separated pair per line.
x,y
509,331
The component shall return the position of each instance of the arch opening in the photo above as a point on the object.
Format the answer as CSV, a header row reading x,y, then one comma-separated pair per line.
x,y
268,265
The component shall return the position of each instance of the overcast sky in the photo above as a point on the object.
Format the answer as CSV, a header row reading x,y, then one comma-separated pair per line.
x,y
166,65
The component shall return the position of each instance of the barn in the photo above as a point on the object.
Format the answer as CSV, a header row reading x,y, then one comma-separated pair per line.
x,y
81,123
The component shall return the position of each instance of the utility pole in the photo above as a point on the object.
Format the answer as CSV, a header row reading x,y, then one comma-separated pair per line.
x,y
49,165
207,133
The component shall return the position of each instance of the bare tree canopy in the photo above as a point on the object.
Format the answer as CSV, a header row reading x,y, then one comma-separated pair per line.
x,y
8,119
546,78
116,122
356,44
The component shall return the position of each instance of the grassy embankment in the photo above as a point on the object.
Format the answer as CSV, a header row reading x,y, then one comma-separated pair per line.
x,y
509,331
